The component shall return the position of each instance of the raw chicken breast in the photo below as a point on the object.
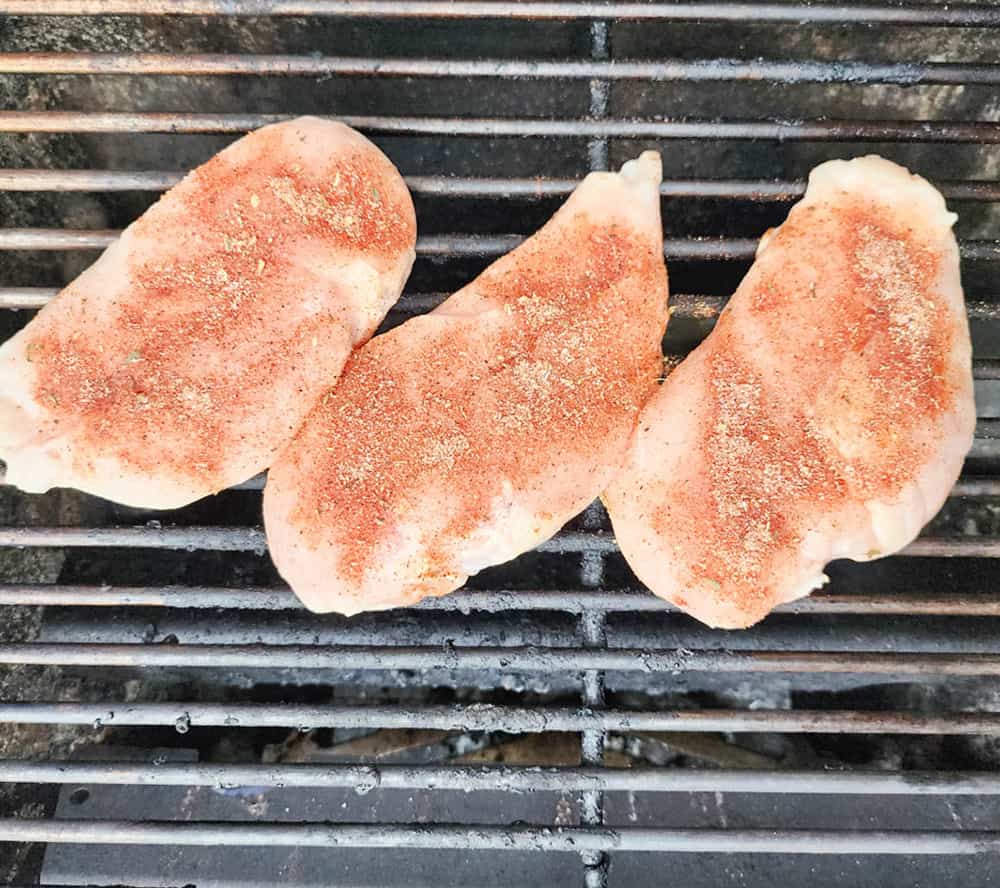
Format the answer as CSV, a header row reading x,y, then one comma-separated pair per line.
x,y
185,358
471,434
827,415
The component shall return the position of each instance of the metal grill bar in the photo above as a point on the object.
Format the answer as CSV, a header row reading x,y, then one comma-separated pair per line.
x,y
759,190
900,73
566,660
989,368
592,622
447,245
952,15
26,297
695,307
251,539
499,838
219,539
718,249
508,779
683,305
571,601
977,132
704,306
486,717
694,248
87,180
976,487
37,297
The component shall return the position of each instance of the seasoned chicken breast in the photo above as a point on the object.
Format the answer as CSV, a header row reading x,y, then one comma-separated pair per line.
x,y
826,416
185,358
471,434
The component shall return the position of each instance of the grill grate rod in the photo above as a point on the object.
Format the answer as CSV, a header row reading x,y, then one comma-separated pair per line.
x,y
251,539
487,717
684,305
493,601
453,245
979,132
701,70
983,368
952,15
591,624
507,778
449,245
499,838
760,190
564,660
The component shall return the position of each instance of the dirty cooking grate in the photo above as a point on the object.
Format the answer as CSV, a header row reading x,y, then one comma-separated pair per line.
x,y
171,715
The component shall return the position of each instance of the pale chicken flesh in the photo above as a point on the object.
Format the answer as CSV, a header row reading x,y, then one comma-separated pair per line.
x,y
470,435
826,416
185,358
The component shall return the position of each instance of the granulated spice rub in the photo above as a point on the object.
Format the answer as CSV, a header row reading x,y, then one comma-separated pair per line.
x,y
826,416
471,434
185,358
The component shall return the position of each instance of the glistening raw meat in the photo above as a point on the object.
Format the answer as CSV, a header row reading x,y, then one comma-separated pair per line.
x,y
185,358
827,415
471,434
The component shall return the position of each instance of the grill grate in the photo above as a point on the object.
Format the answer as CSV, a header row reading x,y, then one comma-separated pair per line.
x,y
152,663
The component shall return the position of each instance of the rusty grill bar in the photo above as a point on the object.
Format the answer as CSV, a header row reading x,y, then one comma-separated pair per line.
x,y
600,642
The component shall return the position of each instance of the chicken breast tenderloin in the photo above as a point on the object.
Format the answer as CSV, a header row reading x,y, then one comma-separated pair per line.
x,y
827,415
184,359
469,435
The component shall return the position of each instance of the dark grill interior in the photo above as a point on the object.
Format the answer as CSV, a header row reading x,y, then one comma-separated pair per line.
x,y
172,717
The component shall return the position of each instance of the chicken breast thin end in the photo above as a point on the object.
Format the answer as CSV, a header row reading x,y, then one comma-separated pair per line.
x,y
471,434
827,415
